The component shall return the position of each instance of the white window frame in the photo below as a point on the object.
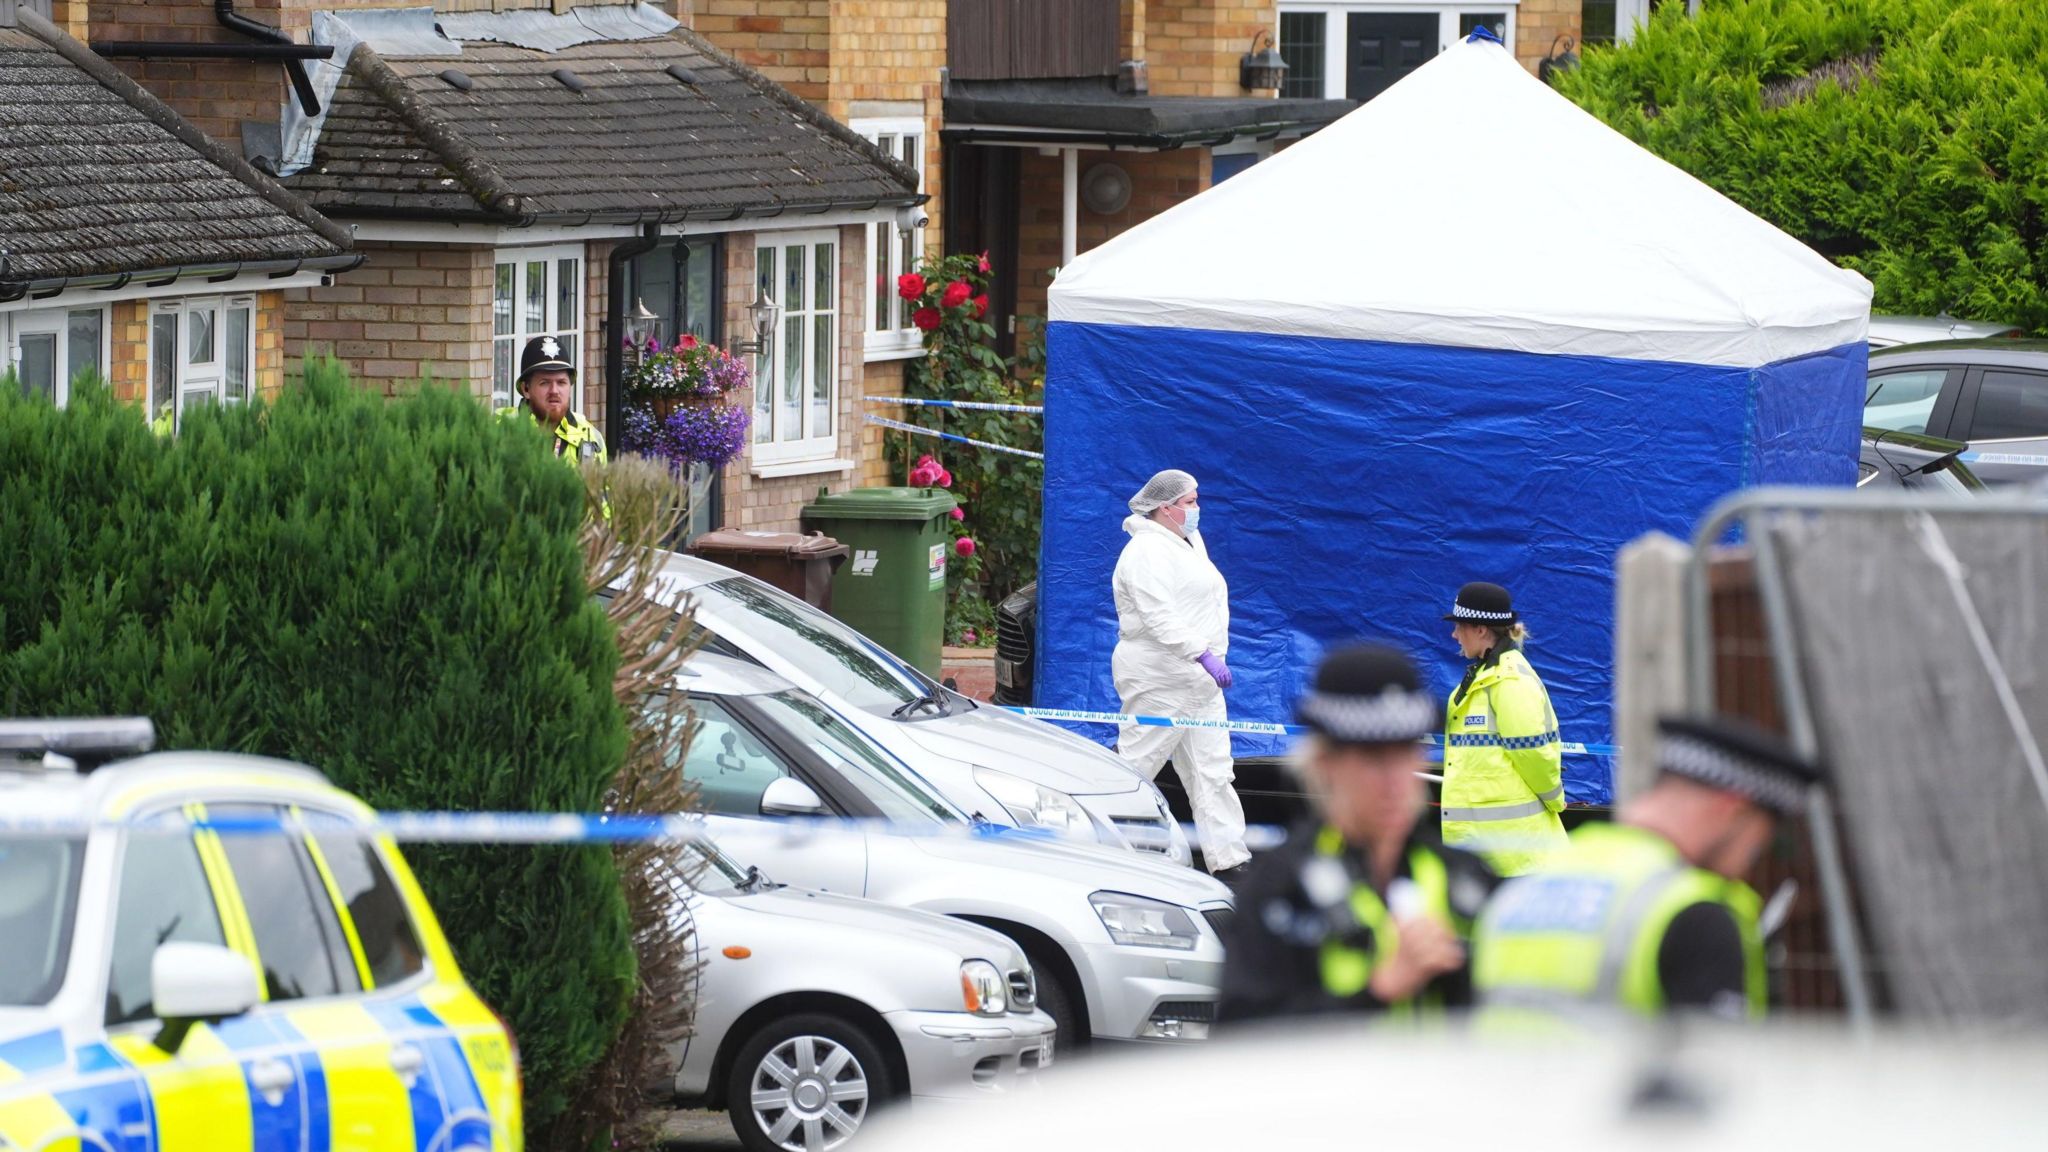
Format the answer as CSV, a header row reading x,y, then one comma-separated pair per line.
x,y
889,335
54,322
194,382
771,448
1336,69
504,392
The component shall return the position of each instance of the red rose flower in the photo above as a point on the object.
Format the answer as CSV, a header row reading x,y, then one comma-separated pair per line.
x,y
956,294
958,514
910,285
687,342
926,318
981,306
985,267
964,546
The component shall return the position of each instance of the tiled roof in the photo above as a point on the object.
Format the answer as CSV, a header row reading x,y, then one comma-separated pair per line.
x,y
636,142
97,177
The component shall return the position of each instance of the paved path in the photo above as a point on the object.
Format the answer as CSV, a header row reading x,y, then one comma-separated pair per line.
x,y
973,669
699,1132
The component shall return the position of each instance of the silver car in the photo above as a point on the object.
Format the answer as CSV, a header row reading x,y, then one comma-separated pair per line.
x,y
814,1009
990,763
1125,947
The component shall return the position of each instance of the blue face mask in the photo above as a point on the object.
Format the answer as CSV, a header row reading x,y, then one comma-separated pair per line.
x,y
1193,523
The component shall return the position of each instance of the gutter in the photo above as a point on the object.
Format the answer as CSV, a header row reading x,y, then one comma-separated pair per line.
x,y
630,218
12,290
614,331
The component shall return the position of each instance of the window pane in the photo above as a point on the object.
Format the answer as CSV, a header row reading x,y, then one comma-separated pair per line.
x,y
536,320
824,273
730,768
199,324
83,332
790,419
913,149
164,897
568,317
1494,22
502,360
909,258
39,883
1903,401
884,250
764,366
501,302
793,279
38,367
296,932
700,311
383,927
821,374
2010,405
163,362
1303,47
1597,22
236,353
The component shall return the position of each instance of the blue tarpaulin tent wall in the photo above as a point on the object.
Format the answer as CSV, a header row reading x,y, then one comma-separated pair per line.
x,y
1381,400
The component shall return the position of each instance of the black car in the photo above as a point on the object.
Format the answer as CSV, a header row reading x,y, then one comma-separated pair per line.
x,y
1992,394
1916,463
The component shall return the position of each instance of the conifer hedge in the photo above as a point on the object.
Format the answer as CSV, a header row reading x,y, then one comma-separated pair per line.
x,y
392,592
1907,139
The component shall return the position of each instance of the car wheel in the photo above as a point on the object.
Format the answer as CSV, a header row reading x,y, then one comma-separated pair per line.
x,y
805,1084
1059,1002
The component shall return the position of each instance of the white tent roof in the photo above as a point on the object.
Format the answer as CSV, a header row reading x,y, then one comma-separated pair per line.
x,y
1469,205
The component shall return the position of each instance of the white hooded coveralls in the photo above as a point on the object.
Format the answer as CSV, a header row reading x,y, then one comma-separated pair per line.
x,y
1172,605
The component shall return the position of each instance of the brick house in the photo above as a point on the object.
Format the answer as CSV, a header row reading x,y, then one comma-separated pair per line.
x,y
131,245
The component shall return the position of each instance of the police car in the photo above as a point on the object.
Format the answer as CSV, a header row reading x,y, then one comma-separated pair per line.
x,y
166,987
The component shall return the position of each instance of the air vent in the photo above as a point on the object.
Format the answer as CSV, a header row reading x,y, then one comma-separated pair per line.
x,y
568,79
683,74
457,80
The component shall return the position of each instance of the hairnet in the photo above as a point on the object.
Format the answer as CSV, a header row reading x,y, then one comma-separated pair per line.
x,y
1162,489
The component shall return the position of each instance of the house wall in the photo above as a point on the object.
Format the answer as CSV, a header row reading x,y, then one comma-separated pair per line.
x,y
1538,23
1159,180
412,311
128,346
790,41
1192,46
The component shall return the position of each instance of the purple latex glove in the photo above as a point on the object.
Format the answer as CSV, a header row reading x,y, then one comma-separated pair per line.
x,y
1216,668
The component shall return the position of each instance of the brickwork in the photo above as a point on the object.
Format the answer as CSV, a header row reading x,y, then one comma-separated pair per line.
x,y
882,378
774,505
790,41
1538,23
412,311
1192,47
892,50
1130,30
1159,180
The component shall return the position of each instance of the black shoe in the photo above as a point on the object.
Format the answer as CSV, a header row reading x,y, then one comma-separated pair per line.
x,y
1233,875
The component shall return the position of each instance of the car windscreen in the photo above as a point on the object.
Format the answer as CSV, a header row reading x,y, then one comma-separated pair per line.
x,y
1944,479
710,870
38,897
851,667
899,795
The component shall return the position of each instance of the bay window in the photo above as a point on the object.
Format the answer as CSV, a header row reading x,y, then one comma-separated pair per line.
x,y
796,378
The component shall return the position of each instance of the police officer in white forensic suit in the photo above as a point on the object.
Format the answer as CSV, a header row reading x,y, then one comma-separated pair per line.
x,y
1173,632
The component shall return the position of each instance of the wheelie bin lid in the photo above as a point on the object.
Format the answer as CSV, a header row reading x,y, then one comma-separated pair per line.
x,y
735,542
882,504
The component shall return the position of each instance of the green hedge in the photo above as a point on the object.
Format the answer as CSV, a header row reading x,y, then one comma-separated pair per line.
x,y
392,592
1927,171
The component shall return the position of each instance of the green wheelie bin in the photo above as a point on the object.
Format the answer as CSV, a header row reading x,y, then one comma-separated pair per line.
x,y
893,588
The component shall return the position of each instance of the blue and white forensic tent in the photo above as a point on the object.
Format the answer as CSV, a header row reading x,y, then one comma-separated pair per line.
x,y
1467,332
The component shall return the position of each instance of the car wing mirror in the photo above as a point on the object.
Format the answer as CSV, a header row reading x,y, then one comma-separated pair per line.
x,y
190,982
790,797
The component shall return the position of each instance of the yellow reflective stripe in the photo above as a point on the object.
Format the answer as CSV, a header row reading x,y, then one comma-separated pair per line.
x,y
200,1097
492,1058
341,912
33,1120
227,898
368,1103
432,940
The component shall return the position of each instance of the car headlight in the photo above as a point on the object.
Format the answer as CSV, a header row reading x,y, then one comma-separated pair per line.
x,y
1145,923
982,989
1035,806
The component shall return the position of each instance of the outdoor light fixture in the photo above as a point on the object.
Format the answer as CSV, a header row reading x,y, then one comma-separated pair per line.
x,y
765,313
1256,69
643,324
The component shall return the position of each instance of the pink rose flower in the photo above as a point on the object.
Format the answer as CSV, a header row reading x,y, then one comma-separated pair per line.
x,y
964,546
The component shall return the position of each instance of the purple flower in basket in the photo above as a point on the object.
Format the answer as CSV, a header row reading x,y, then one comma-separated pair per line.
x,y
712,434
641,433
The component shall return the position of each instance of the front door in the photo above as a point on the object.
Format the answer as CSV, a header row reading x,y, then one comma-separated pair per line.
x,y
1382,47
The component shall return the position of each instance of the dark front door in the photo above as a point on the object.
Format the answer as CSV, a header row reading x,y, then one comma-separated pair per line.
x,y
1382,47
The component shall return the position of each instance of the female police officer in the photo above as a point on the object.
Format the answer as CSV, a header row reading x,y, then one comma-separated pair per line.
x,y
1503,783
1363,910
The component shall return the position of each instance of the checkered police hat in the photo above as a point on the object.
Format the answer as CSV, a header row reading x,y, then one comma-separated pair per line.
x,y
1368,694
1736,756
1480,603
545,354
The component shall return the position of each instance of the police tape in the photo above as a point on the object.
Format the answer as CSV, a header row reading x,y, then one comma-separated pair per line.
x,y
900,426
966,405
1248,727
1975,457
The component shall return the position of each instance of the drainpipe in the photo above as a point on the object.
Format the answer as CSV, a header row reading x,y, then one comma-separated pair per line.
x,y
615,330
224,12
1070,204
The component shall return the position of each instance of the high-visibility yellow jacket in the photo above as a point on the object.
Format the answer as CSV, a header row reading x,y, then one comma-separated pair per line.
x,y
576,438
1503,767
1584,930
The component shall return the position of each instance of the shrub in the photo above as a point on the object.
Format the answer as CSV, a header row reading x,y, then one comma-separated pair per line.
x,y
1902,138
392,592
